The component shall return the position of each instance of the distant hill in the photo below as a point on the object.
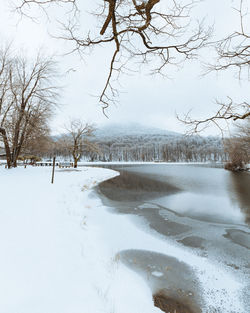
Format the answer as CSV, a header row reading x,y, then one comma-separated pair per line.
x,y
131,129
135,142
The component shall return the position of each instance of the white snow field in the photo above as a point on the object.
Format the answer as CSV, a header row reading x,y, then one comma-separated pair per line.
x,y
53,258
59,250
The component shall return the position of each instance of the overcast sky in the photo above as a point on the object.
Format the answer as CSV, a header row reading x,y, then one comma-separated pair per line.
x,y
146,99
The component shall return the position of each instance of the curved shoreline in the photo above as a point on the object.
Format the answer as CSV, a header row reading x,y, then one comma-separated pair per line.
x,y
233,285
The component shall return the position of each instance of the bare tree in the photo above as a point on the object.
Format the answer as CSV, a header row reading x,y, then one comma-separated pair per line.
x,y
154,32
29,102
5,66
6,101
233,53
243,133
77,139
38,140
238,148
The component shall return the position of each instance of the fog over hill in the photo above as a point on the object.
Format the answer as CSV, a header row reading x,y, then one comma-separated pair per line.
x,y
135,142
131,129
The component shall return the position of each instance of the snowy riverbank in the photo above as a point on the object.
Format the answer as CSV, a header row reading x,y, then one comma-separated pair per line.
x,y
60,250
53,256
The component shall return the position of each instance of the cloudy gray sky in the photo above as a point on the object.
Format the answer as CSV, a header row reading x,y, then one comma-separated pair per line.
x,y
146,99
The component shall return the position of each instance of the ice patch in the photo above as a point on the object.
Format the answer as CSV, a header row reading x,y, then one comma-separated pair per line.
x,y
157,274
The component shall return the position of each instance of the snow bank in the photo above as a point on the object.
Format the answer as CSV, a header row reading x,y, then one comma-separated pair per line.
x,y
60,250
54,255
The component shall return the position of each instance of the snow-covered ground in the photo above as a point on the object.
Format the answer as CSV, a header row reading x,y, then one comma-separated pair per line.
x,y
60,250
54,258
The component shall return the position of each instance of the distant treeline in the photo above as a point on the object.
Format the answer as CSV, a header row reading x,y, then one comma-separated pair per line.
x,y
158,148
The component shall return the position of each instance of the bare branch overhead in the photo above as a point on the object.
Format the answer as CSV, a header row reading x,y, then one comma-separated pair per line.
x,y
233,52
226,111
153,32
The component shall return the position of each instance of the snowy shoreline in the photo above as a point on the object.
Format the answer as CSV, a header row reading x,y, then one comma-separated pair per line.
x,y
54,258
86,163
60,249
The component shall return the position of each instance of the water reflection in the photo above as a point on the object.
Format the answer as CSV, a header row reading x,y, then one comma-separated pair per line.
x,y
203,193
204,210
167,274
240,184
134,187
209,208
174,208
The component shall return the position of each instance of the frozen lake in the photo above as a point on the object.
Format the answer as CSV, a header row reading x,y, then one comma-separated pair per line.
x,y
203,210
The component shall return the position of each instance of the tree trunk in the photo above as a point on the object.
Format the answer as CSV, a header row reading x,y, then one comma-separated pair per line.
x,y
14,163
16,144
75,162
6,146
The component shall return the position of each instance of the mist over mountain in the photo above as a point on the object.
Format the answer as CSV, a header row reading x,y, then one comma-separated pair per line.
x,y
135,142
131,129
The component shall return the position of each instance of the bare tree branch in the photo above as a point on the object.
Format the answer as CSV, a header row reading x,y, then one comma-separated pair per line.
x,y
226,111
153,32
234,50
233,53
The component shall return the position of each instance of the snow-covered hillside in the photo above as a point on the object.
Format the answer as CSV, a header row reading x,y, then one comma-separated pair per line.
x,y
131,129
134,142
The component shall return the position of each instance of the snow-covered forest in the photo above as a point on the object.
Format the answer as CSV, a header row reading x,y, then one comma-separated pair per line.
x,y
138,143
159,148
